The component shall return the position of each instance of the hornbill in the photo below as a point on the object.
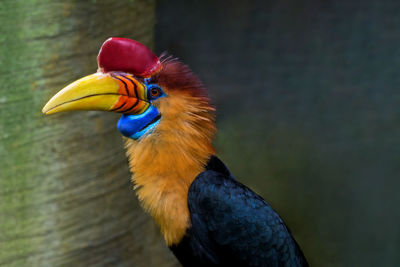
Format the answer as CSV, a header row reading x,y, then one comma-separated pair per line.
x,y
206,216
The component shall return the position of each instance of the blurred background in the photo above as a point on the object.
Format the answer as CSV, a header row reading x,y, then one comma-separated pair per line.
x,y
307,110
307,94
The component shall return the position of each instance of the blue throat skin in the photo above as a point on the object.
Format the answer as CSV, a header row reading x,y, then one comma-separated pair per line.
x,y
135,126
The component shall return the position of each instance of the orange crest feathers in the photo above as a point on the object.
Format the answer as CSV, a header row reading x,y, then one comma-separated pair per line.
x,y
165,163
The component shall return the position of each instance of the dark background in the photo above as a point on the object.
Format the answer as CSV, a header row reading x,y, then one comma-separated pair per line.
x,y
308,112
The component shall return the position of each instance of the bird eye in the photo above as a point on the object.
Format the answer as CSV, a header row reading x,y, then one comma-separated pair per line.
x,y
154,92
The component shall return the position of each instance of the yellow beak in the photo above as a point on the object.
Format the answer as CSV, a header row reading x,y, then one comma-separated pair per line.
x,y
119,92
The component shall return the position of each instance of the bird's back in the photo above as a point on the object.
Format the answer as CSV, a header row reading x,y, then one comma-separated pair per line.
x,y
233,226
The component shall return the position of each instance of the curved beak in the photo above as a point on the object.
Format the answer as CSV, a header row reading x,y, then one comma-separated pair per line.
x,y
118,92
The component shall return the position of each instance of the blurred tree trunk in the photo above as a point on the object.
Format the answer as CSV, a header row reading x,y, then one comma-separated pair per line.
x,y
65,191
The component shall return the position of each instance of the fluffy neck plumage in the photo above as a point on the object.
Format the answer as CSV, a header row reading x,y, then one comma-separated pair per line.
x,y
165,163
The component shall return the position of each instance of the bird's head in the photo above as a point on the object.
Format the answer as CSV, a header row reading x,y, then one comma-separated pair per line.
x,y
154,95
166,116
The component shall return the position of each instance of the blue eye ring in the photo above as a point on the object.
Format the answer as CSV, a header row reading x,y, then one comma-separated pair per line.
x,y
154,91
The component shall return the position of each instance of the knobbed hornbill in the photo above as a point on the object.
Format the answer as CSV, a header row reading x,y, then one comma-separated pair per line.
x,y
206,216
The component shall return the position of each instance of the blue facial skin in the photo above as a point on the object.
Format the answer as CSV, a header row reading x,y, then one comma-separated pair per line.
x,y
135,126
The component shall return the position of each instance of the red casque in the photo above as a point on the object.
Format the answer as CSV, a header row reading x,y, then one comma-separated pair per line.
x,y
126,55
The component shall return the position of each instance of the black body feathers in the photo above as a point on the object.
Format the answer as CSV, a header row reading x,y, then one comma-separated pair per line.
x,y
233,226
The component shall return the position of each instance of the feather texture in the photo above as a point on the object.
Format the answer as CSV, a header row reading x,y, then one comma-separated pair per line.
x,y
165,162
233,226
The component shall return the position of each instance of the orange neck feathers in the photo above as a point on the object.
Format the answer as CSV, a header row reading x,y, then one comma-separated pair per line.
x,y
165,163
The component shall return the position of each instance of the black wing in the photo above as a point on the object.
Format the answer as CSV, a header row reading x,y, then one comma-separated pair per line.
x,y
233,226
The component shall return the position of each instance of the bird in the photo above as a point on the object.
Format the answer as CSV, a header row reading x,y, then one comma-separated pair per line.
x,y
206,216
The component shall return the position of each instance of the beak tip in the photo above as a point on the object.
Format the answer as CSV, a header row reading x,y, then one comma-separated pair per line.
x,y
45,110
